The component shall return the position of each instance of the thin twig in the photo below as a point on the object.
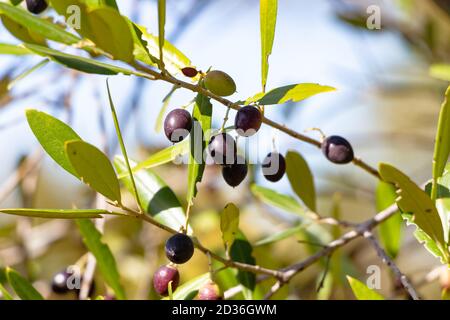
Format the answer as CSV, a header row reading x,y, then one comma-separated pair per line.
x,y
391,264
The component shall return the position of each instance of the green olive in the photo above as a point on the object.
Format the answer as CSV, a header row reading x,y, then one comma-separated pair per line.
x,y
220,83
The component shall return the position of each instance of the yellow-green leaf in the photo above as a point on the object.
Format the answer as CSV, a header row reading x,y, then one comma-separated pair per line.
x,y
189,289
301,178
390,231
229,224
294,92
161,28
21,32
268,19
412,199
21,286
57,213
440,71
13,49
92,238
94,168
442,143
52,134
362,292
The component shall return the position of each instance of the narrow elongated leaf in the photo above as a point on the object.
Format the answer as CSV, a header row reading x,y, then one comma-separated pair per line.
x,y
390,230
94,168
164,156
241,251
362,292
229,224
414,200
155,196
443,208
57,213
301,178
110,32
189,289
442,144
105,259
174,59
21,286
280,235
161,28
13,49
52,134
440,71
268,19
279,200
5,294
294,92
80,63
202,123
20,32
160,119
27,73
38,25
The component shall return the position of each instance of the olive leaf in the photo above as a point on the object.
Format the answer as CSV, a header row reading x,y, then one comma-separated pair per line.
x,y
94,168
229,224
13,49
241,251
268,19
21,286
442,143
390,231
413,200
52,134
189,289
161,29
198,141
362,292
440,71
92,238
301,178
57,213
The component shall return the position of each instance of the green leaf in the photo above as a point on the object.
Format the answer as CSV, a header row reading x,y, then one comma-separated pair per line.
x,y
440,71
301,178
202,123
294,92
38,25
362,292
274,198
80,63
161,28
414,200
13,49
174,59
443,208
229,224
27,73
105,260
164,156
241,251
442,143
5,294
110,32
268,19
57,213
287,233
52,134
21,286
160,119
155,196
186,290
390,231
94,168
20,32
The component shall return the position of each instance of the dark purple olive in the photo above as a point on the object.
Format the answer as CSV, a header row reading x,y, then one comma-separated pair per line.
x,y
274,166
222,148
65,282
210,291
189,72
337,149
163,276
179,248
177,125
248,121
36,6
235,173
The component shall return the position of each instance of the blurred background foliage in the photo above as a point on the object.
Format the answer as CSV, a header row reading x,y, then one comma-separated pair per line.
x,y
386,105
